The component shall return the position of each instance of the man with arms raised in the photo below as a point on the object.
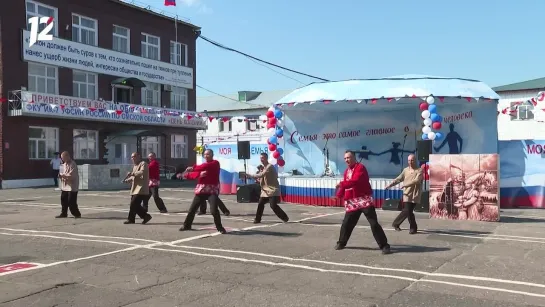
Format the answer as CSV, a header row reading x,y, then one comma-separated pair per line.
x,y
356,192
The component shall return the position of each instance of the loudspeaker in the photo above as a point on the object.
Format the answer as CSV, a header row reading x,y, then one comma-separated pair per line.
x,y
423,149
248,193
243,148
424,205
392,204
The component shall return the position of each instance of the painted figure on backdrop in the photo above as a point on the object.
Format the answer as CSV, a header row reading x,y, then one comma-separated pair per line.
x,y
395,153
452,139
365,153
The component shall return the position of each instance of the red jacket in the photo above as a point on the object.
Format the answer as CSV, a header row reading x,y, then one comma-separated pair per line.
x,y
212,169
154,170
357,186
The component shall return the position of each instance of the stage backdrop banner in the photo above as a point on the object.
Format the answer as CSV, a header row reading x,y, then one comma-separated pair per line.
x,y
464,187
227,155
522,173
386,137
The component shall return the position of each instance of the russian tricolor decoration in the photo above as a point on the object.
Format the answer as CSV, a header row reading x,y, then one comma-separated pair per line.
x,y
432,120
170,2
275,132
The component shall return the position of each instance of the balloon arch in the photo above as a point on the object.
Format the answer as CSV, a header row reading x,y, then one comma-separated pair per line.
x,y
275,124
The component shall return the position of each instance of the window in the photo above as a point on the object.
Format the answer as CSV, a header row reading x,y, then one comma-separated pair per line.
x,y
151,95
84,30
121,39
251,125
36,9
42,78
151,144
178,146
150,47
523,111
178,53
84,85
42,142
85,144
225,126
178,98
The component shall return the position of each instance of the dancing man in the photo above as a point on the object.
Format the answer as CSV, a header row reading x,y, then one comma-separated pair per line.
x,y
69,187
411,176
356,192
270,190
139,179
154,182
207,188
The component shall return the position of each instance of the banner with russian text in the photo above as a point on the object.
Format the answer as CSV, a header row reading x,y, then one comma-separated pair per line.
x,y
227,155
384,137
522,172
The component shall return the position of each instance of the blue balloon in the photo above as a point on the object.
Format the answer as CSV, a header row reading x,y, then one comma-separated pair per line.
x,y
432,108
278,113
438,135
424,136
279,132
280,151
435,117
273,139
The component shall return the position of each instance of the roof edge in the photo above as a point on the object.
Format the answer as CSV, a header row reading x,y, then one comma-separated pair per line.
x,y
152,12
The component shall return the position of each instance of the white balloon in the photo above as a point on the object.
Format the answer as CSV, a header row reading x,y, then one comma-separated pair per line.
x,y
430,100
280,123
431,135
272,161
426,129
426,114
427,122
271,109
271,131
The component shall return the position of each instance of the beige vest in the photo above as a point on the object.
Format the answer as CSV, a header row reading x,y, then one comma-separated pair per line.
x,y
412,184
70,184
269,182
140,179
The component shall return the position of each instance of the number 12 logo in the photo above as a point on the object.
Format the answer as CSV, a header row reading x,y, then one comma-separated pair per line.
x,y
34,26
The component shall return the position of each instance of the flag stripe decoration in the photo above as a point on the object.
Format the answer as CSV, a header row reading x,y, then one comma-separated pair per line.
x,y
538,102
432,120
275,132
170,2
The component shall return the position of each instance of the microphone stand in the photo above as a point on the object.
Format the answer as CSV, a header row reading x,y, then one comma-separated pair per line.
x,y
402,151
327,171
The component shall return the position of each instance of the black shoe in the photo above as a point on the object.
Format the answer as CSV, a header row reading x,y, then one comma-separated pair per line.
x,y
183,228
163,211
339,246
77,216
222,231
286,220
257,222
129,222
412,231
201,213
61,216
396,228
227,213
386,250
146,219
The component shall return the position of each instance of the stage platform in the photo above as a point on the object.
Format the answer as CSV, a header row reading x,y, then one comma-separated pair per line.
x,y
317,191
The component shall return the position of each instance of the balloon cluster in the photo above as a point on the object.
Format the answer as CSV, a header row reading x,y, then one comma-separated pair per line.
x,y
425,170
432,120
275,132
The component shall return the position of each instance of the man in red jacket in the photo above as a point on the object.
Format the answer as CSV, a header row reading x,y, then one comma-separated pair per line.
x,y
207,188
154,182
356,192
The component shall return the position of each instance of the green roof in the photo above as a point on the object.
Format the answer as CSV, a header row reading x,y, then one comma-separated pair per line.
x,y
521,86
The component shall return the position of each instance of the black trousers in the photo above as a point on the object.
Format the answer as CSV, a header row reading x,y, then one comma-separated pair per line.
x,y
197,201
56,177
221,206
136,207
273,201
352,218
69,200
154,192
407,212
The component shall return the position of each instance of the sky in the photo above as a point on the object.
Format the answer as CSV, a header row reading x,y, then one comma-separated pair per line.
x,y
497,42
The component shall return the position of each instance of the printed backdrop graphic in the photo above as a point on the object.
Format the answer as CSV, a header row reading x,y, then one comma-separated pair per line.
x,y
385,138
227,155
464,187
522,172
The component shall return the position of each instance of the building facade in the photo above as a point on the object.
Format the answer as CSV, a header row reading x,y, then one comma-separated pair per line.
x,y
518,123
103,87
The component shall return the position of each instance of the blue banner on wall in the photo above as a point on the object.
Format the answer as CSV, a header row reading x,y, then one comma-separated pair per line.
x,y
385,138
522,173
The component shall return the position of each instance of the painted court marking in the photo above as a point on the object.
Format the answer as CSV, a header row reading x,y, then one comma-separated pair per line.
x,y
18,266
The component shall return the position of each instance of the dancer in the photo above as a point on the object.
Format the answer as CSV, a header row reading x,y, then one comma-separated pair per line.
x,y
139,179
202,206
411,176
154,182
207,188
69,187
270,190
356,192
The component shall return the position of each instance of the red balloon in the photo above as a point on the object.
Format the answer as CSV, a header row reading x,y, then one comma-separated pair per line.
x,y
423,106
268,142
272,147
426,176
269,126
276,154
436,125
272,120
280,162
423,166
270,114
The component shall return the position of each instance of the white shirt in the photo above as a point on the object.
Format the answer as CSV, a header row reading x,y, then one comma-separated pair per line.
x,y
56,163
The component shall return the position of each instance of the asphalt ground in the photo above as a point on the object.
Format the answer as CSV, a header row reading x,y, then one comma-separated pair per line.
x,y
99,261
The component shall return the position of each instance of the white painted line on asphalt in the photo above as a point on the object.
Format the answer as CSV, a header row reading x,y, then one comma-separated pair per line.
x,y
18,267
318,216
79,235
66,238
